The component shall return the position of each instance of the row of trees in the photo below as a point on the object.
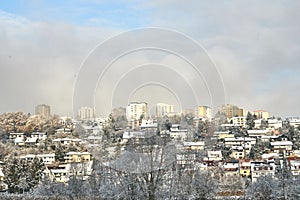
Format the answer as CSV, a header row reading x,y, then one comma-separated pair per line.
x,y
22,122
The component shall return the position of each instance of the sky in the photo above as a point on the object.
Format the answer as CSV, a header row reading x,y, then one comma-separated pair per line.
x,y
53,52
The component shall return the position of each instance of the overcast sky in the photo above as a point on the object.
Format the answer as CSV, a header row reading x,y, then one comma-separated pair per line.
x,y
255,46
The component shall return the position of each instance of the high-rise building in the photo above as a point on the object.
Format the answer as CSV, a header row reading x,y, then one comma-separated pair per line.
x,y
43,110
203,112
135,110
163,109
230,111
86,113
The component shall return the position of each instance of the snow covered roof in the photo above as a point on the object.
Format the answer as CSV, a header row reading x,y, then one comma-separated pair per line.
x,y
193,143
257,131
31,140
19,140
282,143
1,173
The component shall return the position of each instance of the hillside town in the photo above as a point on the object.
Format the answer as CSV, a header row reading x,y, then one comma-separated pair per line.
x,y
194,154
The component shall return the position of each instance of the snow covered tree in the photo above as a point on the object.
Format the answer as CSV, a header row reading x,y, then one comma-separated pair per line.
x,y
264,188
22,175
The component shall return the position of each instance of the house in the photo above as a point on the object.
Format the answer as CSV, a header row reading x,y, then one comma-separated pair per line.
x,y
178,134
46,158
245,168
282,146
294,165
194,145
63,131
148,124
78,157
239,141
19,141
57,173
257,133
67,141
274,123
31,142
262,168
238,121
231,169
237,152
214,156
186,160
136,135
39,135
294,121
223,134
17,138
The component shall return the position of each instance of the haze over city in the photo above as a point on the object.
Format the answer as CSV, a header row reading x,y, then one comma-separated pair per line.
x,y
255,48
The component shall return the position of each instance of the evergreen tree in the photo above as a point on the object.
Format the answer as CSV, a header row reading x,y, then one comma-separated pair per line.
x,y
22,175
250,121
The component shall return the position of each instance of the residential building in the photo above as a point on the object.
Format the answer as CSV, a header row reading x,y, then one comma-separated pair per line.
x,y
177,133
262,168
294,165
261,114
231,169
214,156
258,133
230,110
245,168
282,146
238,121
46,158
86,113
163,109
193,145
274,123
203,112
237,152
294,121
43,110
67,141
136,110
239,141
78,157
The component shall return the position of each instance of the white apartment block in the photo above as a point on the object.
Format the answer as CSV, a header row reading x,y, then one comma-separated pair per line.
x,y
86,113
135,110
163,109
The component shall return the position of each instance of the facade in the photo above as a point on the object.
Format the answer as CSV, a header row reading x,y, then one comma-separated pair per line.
x,y
239,121
193,145
135,110
230,110
262,168
163,109
245,168
203,112
43,110
86,113
261,114
294,121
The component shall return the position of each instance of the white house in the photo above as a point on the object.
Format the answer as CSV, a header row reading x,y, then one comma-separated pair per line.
x,y
194,145
284,146
275,123
257,133
262,168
